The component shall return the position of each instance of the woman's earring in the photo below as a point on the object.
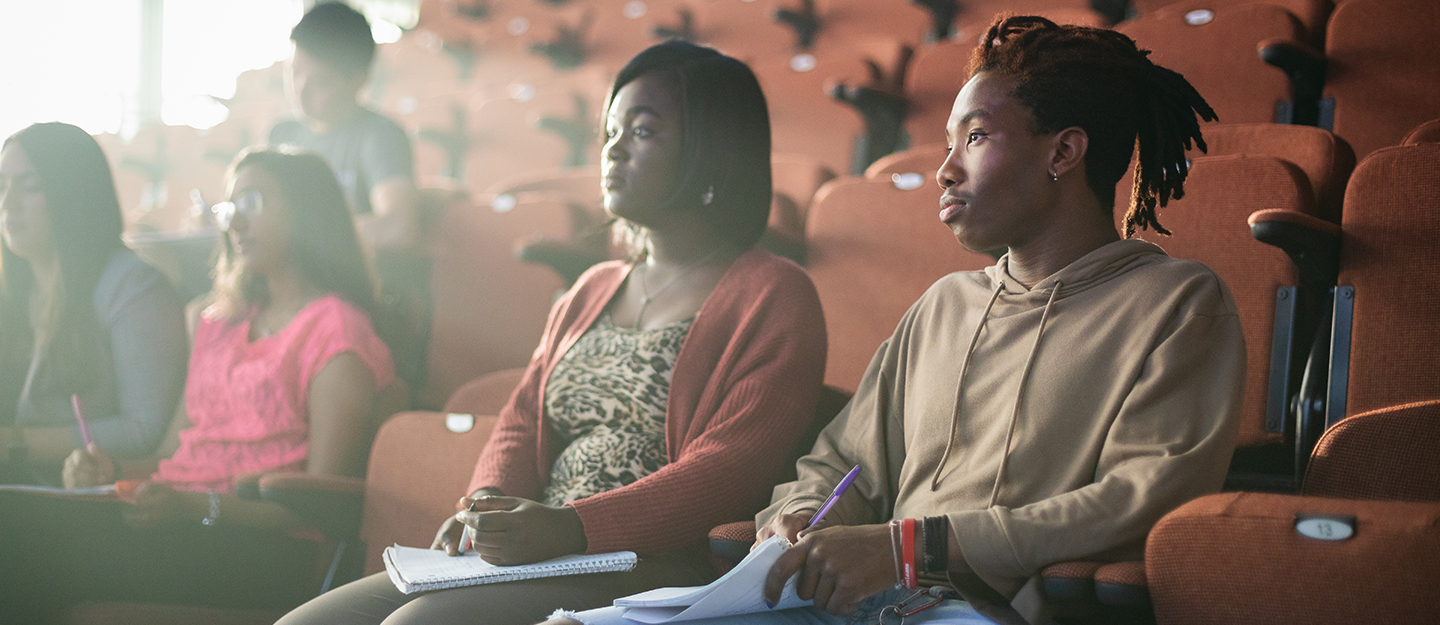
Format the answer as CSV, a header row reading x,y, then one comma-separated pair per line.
x,y
708,196
1054,177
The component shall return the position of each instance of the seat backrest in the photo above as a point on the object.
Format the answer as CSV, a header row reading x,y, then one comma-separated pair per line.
x,y
1312,14
419,467
1389,284
804,119
489,306
1218,55
1382,70
919,159
873,250
1325,158
487,394
1388,454
934,78
1210,225
1428,132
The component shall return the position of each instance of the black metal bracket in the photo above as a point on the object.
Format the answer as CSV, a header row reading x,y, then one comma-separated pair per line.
x,y
1282,349
1340,333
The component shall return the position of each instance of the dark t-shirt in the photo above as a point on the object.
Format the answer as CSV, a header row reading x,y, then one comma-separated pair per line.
x,y
368,150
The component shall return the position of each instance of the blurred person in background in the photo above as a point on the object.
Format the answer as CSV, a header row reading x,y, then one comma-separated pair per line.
x,y
80,314
284,375
373,162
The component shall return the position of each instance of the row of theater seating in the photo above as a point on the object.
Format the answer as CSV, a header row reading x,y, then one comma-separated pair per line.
x,y
484,105
872,246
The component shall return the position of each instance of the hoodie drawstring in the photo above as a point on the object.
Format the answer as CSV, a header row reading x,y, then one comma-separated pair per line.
x,y
960,394
1019,393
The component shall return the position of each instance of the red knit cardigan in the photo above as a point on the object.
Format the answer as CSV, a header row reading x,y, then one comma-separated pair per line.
x,y
742,392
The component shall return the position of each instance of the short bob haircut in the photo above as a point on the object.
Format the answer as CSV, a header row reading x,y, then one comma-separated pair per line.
x,y
726,144
324,246
337,35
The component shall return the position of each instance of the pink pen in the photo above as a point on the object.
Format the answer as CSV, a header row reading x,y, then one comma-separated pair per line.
x,y
80,417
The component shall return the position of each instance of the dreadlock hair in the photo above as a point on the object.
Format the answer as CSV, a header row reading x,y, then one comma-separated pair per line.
x,y
1098,80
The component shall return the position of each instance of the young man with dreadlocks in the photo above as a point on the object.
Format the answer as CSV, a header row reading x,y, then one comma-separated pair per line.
x,y
1052,407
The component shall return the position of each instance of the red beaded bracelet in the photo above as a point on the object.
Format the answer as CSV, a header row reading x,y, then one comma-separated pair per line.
x,y
907,551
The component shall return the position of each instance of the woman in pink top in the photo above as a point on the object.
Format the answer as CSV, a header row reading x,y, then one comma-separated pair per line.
x,y
285,364
284,369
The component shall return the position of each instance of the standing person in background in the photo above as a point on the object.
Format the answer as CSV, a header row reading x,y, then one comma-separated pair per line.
x,y
79,312
370,154
373,163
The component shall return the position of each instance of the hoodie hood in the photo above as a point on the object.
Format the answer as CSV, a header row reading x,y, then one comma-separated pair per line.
x,y
1098,267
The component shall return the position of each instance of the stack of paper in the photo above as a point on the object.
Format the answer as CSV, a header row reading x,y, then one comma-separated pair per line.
x,y
741,591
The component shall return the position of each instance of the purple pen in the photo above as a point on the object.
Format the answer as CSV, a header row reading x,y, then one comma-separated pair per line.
x,y
834,496
80,417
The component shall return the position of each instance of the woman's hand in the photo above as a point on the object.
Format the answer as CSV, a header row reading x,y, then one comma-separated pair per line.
x,y
839,567
448,538
510,531
157,503
88,467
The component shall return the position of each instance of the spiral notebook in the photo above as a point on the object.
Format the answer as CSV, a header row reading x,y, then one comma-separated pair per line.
x,y
417,570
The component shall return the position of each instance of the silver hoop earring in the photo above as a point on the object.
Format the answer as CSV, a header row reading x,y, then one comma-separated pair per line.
x,y
708,196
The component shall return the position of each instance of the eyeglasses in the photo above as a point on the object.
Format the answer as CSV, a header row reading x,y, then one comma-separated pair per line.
x,y
249,204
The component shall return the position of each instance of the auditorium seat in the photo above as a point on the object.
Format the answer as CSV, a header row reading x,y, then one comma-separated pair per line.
x,y
1325,158
803,117
874,249
510,135
490,307
1384,337
1312,14
1216,52
1359,545
1209,225
1382,72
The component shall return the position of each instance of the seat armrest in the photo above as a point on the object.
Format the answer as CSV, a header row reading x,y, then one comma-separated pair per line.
x,y
1241,558
330,504
1071,582
1303,64
1313,244
1123,584
731,542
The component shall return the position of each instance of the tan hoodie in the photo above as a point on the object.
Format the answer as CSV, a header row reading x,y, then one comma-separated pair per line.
x,y
1092,404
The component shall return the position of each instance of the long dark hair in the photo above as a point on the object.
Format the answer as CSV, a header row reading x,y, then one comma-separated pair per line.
x,y
727,135
85,225
323,244
1100,81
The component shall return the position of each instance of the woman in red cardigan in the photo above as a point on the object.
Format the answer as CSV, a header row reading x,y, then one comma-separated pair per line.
x,y
667,391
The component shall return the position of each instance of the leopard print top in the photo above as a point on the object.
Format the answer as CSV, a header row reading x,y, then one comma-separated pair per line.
x,y
605,402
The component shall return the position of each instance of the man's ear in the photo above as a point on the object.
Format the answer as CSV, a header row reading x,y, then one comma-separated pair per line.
x,y
1070,146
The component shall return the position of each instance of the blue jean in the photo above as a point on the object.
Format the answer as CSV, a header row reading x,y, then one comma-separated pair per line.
x,y
950,611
